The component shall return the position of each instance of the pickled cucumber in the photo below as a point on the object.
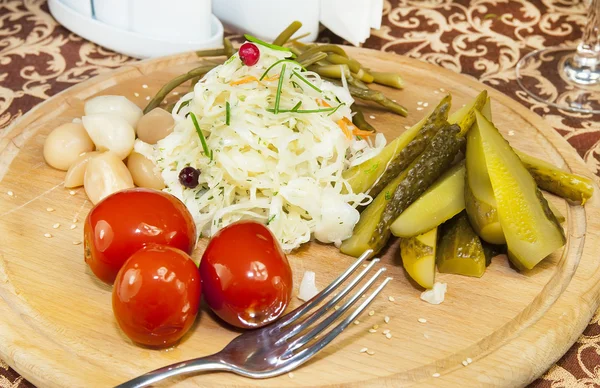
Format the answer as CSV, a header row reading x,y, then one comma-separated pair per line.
x,y
531,230
576,188
434,122
465,116
405,148
418,257
459,249
359,242
479,195
422,173
442,201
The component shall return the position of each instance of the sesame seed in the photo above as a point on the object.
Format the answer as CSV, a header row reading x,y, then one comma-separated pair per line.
x,y
337,307
375,327
386,319
419,108
144,86
136,94
75,220
391,299
442,90
49,209
372,117
291,375
435,375
364,296
394,100
426,335
370,352
147,98
465,363
422,320
73,226
425,104
363,350
72,192
386,331
420,103
511,133
364,265
10,193
406,127
469,360
56,226
47,235
175,93
371,313
372,331
76,242
356,322
436,92
388,335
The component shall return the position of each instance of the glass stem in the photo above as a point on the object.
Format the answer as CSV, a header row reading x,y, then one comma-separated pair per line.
x,y
583,67
589,48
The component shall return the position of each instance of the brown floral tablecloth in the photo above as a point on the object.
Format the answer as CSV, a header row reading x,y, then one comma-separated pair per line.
x,y
483,38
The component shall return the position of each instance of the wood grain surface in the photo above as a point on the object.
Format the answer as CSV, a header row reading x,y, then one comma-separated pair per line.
x,y
57,327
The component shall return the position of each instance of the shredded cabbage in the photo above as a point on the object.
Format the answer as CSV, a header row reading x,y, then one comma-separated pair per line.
x,y
283,169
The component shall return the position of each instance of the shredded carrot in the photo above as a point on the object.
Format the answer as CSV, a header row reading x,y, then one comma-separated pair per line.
x,y
344,128
244,80
273,78
324,103
358,132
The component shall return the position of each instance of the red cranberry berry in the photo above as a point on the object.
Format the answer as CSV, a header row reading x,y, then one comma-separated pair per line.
x,y
188,177
249,54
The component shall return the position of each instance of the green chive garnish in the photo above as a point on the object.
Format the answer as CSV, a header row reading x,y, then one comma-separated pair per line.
x,y
279,86
306,81
278,62
201,136
297,106
269,45
227,113
302,110
336,108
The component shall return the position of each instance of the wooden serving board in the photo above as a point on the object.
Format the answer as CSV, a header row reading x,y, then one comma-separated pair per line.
x,y
56,323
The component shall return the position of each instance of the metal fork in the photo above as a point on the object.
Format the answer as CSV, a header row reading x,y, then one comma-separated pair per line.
x,y
285,344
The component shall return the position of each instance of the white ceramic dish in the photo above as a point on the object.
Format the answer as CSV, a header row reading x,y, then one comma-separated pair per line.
x,y
265,19
127,42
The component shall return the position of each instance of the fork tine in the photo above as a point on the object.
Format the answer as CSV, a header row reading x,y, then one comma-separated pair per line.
x,y
301,341
323,309
300,311
305,354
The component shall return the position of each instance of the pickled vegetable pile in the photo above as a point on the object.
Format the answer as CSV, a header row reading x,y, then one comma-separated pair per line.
x,y
457,194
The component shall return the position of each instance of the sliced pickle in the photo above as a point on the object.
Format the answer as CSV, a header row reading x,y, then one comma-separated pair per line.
x,y
375,174
465,116
548,177
442,201
530,228
459,249
479,194
418,257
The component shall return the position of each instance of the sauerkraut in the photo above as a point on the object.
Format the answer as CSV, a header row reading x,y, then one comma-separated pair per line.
x,y
277,139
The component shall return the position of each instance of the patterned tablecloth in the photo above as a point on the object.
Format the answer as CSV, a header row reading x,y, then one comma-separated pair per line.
x,y
482,38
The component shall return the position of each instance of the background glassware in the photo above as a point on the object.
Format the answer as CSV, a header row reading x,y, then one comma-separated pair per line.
x,y
563,77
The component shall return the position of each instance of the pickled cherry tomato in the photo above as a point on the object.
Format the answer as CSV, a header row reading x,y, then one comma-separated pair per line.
x,y
156,295
128,220
246,277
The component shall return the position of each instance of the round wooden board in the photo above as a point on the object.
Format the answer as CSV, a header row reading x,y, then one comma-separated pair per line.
x,y
57,327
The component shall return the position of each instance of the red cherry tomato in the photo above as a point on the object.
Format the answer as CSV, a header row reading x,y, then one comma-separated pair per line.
x,y
246,278
156,295
249,54
128,220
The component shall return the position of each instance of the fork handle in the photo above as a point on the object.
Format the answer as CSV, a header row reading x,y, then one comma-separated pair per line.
x,y
203,364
